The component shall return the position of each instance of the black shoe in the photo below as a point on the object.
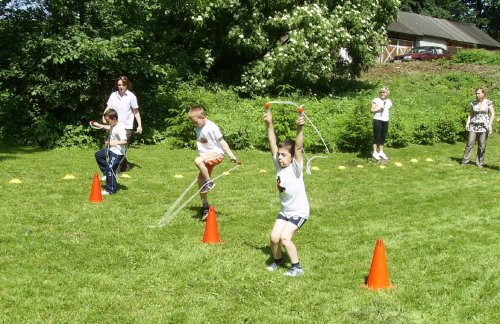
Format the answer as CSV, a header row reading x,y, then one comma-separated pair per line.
x,y
204,213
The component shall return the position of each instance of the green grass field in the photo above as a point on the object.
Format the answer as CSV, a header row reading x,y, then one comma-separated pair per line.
x,y
64,259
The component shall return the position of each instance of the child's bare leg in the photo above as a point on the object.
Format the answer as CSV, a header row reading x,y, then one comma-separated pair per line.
x,y
286,241
203,196
200,164
278,227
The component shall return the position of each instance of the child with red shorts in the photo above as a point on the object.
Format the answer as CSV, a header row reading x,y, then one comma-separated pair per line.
x,y
211,148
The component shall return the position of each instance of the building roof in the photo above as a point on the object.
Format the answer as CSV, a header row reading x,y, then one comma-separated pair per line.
x,y
414,24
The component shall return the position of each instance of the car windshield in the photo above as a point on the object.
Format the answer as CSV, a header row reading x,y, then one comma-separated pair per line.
x,y
417,50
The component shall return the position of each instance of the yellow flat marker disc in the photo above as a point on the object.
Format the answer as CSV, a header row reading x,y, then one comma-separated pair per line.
x,y
178,176
69,177
315,168
124,175
359,166
429,160
15,180
398,164
262,171
341,167
226,173
382,166
414,160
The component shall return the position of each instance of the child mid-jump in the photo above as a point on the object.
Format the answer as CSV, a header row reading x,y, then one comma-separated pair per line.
x,y
287,157
211,148
109,158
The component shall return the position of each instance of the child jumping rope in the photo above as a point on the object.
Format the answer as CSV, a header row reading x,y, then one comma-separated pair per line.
x,y
287,158
211,148
109,158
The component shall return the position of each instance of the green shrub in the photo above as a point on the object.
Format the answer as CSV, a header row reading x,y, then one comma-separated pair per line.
x,y
400,134
78,136
477,56
357,132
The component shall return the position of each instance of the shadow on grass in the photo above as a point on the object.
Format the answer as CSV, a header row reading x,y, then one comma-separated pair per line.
x,y
9,152
485,166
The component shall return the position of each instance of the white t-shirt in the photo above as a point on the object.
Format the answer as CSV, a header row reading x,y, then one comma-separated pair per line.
x,y
207,138
292,191
383,114
124,106
118,133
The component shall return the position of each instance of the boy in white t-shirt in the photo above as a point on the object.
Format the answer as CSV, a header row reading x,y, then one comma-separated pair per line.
x,y
287,158
211,148
109,158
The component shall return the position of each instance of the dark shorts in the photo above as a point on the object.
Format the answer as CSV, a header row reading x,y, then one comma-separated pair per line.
x,y
296,220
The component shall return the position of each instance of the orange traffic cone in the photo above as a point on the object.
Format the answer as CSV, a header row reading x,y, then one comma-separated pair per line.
x,y
379,274
95,194
211,232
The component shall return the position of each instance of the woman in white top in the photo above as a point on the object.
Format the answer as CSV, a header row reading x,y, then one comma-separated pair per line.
x,y
380,109
125,103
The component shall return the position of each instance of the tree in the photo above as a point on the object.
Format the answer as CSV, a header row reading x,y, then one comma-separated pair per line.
x,y
63,55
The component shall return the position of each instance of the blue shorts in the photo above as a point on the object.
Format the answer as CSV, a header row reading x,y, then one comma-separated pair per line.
x,y
296,220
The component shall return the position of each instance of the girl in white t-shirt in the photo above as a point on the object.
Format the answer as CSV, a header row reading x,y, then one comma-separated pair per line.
x,y
287,157
380,109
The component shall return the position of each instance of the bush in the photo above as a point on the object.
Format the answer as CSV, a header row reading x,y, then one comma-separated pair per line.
x,y
477,56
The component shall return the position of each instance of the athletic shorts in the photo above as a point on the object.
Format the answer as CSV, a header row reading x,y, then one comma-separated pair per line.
x,y
296,220
211,160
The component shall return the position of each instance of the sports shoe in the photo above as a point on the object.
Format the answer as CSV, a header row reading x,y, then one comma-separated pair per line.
x,y
382,155
273,266
209,185
294,272
103,178
376,155
204,213
104,193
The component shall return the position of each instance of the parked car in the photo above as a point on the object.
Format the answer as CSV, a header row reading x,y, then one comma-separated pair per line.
x,y
423,53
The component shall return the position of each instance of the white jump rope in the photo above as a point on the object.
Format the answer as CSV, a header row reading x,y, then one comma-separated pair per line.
x,y
300,109
172,211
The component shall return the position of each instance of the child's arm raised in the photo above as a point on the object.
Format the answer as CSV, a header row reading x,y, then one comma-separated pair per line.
x,y
299,140
268,119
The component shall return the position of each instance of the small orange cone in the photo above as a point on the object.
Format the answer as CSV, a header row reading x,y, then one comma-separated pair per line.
x,y
95,194
379,274
211,232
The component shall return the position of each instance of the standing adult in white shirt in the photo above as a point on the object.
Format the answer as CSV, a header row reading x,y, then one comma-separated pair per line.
x,y
380,109
125,103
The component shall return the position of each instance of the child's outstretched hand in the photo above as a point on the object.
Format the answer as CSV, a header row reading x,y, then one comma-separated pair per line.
x,y
268,118
234,160
300,120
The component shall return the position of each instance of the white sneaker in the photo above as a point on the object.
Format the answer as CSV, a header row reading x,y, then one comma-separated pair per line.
x,y
382,155
105,193
103,178
294,272
376,155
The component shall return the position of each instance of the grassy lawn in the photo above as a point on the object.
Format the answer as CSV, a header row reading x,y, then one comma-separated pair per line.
x,y
64,259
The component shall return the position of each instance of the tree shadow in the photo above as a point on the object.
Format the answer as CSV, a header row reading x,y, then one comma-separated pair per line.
x,y
11,151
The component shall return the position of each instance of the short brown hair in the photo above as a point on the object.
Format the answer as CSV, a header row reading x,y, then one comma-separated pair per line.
x,y
111,114
288,144
124,80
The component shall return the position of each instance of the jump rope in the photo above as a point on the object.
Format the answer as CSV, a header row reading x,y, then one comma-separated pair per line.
x,y
301,111
175,208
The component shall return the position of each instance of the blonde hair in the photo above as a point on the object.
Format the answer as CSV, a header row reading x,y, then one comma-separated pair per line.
x,y
196,111
386,89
